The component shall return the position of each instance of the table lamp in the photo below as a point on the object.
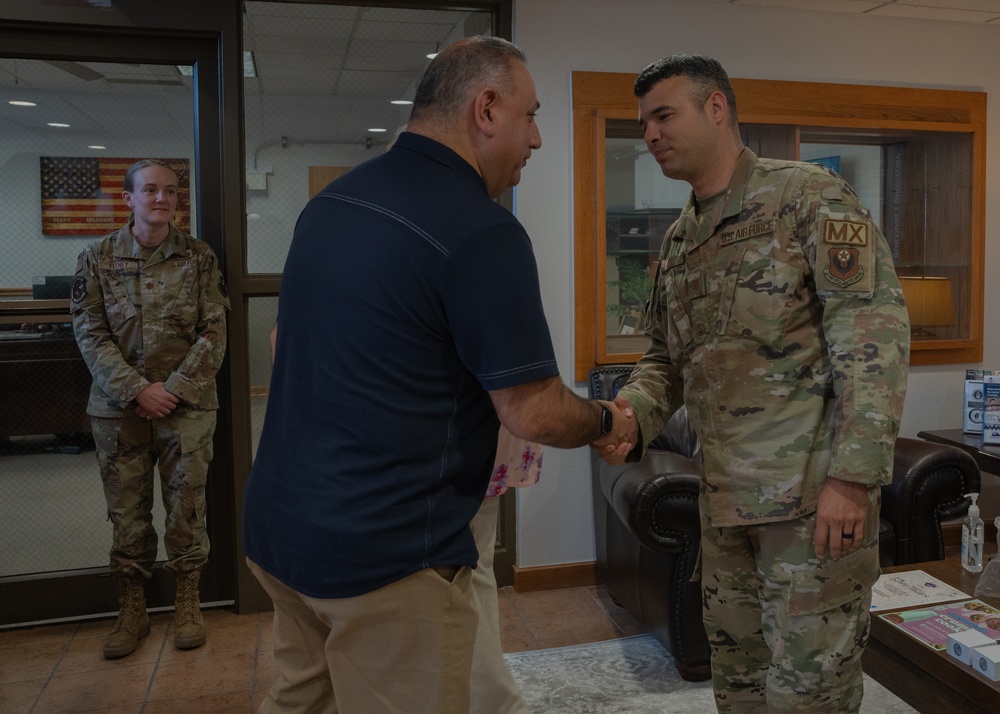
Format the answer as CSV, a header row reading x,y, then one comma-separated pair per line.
x,y
929,302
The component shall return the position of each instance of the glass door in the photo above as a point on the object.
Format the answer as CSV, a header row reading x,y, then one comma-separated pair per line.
x,y
70,129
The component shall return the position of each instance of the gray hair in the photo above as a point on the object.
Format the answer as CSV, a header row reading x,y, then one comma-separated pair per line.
x,y
461,70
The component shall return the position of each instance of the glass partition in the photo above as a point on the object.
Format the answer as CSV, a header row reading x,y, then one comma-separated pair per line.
x,y
326,88
62,186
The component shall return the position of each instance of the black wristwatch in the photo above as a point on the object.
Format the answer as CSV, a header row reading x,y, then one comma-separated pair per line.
x,y
607,420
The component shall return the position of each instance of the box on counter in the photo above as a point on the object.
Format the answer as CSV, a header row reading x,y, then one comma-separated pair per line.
x,y
962,644
991,409
986,661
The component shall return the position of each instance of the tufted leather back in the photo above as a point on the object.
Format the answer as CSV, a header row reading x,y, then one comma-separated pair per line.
x,y
604,382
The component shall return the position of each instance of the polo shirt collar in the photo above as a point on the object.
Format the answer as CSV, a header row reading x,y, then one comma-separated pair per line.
x,y
438,152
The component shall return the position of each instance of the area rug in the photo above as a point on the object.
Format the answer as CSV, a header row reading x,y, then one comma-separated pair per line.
x,y
631,675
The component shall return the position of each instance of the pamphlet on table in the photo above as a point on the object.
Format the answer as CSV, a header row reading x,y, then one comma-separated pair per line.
x,y
910,589
931,626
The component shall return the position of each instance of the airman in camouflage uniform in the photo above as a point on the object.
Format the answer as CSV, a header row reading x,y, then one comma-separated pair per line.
x,y
777,318
149,313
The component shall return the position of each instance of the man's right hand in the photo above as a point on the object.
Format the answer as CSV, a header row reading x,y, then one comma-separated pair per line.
x,y
616,446
155,402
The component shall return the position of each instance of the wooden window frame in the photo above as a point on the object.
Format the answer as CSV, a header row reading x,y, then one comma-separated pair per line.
x,y
602,96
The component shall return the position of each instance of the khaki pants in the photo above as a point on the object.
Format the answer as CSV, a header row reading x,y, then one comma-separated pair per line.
x,y
405,648
493,687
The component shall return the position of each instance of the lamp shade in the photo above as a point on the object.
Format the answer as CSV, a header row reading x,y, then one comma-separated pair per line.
x,y
928,300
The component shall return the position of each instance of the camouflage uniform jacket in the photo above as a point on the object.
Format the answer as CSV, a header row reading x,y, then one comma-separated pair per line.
x,y
158,319
778,320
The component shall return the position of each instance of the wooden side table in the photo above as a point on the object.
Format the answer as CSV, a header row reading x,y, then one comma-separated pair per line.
x,y
928,680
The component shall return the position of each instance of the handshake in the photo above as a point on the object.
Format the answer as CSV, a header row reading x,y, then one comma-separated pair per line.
x,y
616,445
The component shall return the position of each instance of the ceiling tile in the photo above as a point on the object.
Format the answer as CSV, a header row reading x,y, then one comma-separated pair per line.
x,y
821,5
292,27
989,6
922,12
403,31
301,10
300,44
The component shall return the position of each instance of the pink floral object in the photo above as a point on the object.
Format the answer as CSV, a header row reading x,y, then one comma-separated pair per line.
x,y
518,464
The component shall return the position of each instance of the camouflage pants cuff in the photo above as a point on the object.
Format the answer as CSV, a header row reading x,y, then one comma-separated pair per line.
x,y
132,569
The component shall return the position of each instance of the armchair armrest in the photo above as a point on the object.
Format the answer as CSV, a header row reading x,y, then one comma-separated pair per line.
x,y
656,499
929,483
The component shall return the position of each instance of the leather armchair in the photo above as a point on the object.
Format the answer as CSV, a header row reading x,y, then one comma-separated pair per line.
x,y
648,532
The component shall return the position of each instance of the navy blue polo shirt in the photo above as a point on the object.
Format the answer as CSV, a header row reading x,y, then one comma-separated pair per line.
x,y
406,295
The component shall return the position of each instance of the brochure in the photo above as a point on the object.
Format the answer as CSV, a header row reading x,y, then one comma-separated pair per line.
x,y
914,587
991,409
932,626
972,417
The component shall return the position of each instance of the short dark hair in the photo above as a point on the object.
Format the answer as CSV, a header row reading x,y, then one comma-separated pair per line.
x,y
461,69
705,73
135,168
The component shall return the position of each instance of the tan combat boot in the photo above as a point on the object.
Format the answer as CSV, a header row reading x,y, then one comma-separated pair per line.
x,y
189,628
133,622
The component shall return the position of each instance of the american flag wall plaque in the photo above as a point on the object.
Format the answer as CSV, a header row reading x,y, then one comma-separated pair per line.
x,y
83,196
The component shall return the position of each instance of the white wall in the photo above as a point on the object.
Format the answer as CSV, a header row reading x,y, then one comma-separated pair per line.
x,y
561,36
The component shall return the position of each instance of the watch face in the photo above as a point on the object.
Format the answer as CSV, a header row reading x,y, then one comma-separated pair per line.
x,y
607,420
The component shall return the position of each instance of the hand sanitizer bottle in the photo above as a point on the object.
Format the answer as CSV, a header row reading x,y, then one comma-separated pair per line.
x,y
972,537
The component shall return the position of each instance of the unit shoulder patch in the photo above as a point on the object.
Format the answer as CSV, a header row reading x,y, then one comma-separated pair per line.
x,y
843,268
79,288
845,233
845,259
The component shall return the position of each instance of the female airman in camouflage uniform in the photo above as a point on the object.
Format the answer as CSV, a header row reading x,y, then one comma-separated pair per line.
x,y
149,312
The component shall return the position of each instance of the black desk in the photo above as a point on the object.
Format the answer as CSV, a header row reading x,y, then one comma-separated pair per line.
x,y
44,386
988,457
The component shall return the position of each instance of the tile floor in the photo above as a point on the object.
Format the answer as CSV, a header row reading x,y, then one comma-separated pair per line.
x,y
58,669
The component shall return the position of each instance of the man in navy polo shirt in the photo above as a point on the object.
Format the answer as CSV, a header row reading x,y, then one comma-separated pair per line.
x,y
410,319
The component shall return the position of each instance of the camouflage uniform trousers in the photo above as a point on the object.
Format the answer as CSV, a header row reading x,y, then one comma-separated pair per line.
x,y
786,630
128,448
